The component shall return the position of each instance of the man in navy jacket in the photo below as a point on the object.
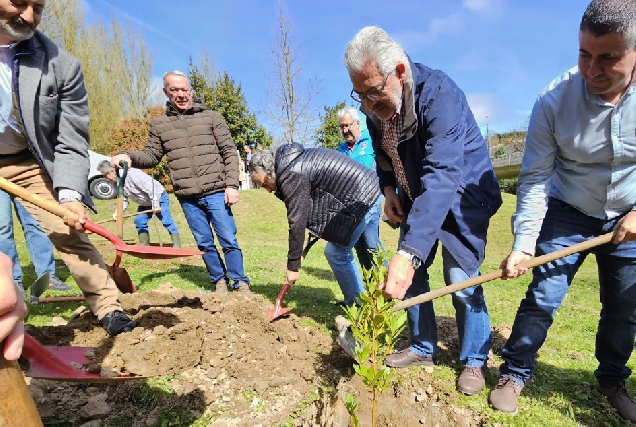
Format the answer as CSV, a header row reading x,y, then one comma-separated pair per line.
x,y
436,175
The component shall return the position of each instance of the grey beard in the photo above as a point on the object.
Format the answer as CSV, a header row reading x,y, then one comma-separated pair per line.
x,y
16,30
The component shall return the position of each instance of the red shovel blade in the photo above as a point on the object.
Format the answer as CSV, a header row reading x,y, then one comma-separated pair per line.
x,y
145,252
54,363
278,309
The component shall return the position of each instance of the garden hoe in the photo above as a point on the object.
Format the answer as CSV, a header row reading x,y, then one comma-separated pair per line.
x,y
278,309
347,342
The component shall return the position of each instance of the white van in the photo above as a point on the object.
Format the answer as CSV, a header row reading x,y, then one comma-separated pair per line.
x,y
100,187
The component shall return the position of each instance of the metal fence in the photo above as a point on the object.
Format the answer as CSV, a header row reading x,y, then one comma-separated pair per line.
x,y
509,159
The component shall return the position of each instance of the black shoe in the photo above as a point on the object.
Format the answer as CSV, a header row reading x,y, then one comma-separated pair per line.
x,y
619,398
116,322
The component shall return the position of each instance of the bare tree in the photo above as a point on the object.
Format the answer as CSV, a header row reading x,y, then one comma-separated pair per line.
x,y
116,64
290,101
137,77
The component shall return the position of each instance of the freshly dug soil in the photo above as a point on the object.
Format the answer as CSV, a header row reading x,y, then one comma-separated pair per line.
x,y
224,359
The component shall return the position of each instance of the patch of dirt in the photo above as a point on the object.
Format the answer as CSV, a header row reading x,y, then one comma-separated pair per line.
x,y
224,359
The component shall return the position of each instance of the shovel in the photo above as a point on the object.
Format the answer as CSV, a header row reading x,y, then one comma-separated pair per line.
x,y
119,215
345,337
41,285
497,274
278,309
54,363
145,252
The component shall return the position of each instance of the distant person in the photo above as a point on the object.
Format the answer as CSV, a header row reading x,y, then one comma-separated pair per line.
x,y
248,158
44,148
204,168
242,174
147,192
38,244
12,312
428,147
328,193
358,146
577,181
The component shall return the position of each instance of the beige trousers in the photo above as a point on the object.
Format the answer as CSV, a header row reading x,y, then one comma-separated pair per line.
x,y
81,257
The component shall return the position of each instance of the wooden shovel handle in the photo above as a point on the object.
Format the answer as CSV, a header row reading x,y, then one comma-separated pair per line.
x,y
17,408
20,192
125,216
531,263
120,198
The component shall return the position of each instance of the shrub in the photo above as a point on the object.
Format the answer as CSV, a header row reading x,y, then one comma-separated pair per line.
x,y
500,153
509,185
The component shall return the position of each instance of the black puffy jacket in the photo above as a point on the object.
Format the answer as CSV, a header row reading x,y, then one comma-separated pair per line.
x,y
324,191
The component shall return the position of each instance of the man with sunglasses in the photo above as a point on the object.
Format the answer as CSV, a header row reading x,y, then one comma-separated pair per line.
x,y
428,147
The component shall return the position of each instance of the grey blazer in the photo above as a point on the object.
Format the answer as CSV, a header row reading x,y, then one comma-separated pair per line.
x,y
52,105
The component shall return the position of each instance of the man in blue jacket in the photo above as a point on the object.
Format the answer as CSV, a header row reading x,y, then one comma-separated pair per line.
x,y
428,147
358,146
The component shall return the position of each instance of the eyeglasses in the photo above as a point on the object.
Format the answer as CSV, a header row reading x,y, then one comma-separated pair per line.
x,y
373,95
346,125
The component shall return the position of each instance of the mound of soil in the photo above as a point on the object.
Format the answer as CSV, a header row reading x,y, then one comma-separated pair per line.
x,y
224,359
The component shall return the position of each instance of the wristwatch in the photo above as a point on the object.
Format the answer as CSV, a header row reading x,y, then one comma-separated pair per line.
x,y
69,199
415,261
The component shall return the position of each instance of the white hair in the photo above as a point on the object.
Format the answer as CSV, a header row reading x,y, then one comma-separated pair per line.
x,y
105,167
348,112
173,73
264,162
374,44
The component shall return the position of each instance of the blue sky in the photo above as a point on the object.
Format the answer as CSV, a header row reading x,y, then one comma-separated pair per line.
x,y
501,53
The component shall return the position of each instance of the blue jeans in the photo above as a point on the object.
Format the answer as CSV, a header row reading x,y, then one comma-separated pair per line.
x,y
565,226
211,209
39,246
165,216
471,314
367,245
342,262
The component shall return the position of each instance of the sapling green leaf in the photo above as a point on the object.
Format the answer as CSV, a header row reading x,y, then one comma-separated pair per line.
x,y
375,327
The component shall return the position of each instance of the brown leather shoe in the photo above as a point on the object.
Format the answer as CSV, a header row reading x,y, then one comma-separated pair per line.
x,y
244,288
472,380
221,287
505,395
619,398
406,358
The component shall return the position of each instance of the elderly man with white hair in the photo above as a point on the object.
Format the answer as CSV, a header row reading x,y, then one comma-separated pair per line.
x,y
428,147
358,146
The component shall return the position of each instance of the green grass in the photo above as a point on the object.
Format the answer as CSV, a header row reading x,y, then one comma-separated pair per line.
x,y
562,392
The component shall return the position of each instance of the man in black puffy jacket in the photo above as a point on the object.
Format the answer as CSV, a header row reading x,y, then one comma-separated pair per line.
x,y
331,195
